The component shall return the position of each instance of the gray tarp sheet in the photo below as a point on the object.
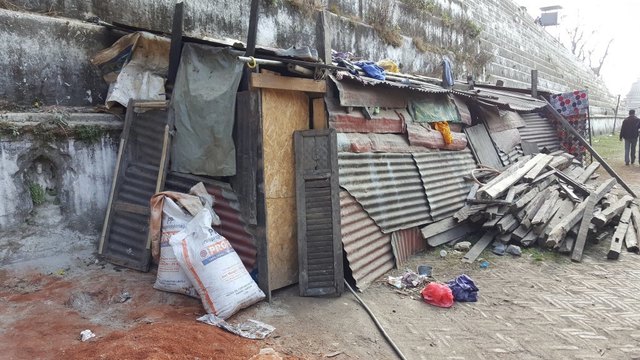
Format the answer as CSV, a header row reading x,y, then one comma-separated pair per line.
x,y
203,104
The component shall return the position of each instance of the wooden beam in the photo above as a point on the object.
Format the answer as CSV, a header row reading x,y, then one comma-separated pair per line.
x,y
612,211
319,113
495,190
584,177
631,239
618,236
576,185
554,114
560,230
591,202
545,212
451,234
537,169
271,81
438,227
635,219
479,246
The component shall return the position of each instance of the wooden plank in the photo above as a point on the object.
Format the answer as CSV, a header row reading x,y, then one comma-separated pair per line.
x,y
536,170
525,199
473,191
546,209
492,192
479,246
491,224
271,81
467,211
593,199
280,180
507,224
584,177
609,200
635,219
567,244
482,145
520,233
576,185
175,48
618,236
529,239
320,120
438,227
553,113
614,210
560,230
454,233
631,239
509,171
569,193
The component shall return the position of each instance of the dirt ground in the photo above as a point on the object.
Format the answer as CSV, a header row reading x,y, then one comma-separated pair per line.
x,y
538,306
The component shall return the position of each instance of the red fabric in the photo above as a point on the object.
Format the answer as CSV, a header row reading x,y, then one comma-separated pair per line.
x,y
438,295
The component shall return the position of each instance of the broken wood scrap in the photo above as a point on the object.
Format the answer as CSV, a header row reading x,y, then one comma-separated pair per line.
x,y
543,176
537,169
520,233
438,227
609,200
494,190
473,191
576,185
612,211
560,230
454,233
529,239
546,211
569,193
479,246
525,199
507,224
491,224
590,204
467,211
618,236
586,174
566,246
635,220
631,239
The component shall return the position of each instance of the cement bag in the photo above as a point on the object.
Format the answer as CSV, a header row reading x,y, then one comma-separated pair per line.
x,y
214,268
171,277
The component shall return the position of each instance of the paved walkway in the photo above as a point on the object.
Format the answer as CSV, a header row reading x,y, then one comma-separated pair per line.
x,y
527,309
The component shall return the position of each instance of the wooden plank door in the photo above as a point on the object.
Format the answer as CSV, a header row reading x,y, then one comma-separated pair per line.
x,y
318,210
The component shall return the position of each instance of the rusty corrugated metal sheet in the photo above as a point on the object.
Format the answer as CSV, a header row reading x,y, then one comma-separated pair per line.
x,y
368,250
227,206
406,243
539,130
443,175
388,186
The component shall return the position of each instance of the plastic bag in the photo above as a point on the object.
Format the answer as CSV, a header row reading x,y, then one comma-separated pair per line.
x,y
171,277
464,289
214,268
438,295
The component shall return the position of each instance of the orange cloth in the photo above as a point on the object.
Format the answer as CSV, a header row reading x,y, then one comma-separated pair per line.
x,y
443,128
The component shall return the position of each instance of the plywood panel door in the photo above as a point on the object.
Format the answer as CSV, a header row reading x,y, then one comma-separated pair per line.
x,y
283,112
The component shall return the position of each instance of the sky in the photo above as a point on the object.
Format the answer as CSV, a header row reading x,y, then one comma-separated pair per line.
x,y
617,19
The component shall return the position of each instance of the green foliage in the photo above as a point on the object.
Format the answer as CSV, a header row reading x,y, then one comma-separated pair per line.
x,y
38,194
88,133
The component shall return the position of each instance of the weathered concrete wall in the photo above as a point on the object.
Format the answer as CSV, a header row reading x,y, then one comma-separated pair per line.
x,y
78,172
509,39
45,60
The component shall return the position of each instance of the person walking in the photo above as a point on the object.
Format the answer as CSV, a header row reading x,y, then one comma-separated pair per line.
x,y
629,132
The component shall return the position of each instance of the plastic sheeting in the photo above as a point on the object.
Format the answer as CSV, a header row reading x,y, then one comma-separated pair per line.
x,y
135,67
434,109
203,103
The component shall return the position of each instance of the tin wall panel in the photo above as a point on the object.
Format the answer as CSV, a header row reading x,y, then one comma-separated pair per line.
x,y
368,250
539,130
227,206
406,243
443,175
388,186
512,156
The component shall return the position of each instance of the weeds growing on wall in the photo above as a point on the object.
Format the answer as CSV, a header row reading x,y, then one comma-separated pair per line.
x,y
38,195
88,133
380,18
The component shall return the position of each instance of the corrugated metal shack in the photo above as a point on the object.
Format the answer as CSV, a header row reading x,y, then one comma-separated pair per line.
x,y
368,163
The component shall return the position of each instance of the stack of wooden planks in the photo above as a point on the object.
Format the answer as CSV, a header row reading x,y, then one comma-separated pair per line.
x,y
548,200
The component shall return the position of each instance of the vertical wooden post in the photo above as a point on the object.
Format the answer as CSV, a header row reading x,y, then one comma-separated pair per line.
x,y
253,28
319,113
615,116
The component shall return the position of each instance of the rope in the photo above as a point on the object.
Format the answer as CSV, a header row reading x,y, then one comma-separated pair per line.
x,y
483,168
375,320
252,63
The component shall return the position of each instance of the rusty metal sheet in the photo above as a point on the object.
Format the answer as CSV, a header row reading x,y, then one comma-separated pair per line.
x,y
227,206
539,130
318,211
482,145
443,175
508,100
368,250
140,170
388,186
406,243
387,121
355,93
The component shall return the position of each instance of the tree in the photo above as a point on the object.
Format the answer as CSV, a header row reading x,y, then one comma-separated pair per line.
x,y
583,47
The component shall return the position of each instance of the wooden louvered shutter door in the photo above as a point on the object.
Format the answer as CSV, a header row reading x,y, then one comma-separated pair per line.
x,y
318,208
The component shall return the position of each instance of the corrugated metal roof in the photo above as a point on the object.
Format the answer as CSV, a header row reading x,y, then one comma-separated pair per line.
x,y
227,206
406,243
540,131
368,250
422,87
509,100
388,186
443,175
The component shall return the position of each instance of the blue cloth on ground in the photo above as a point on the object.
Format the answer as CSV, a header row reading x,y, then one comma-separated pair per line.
x,y
463,289
371,69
